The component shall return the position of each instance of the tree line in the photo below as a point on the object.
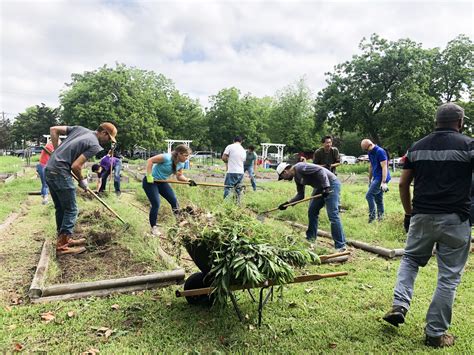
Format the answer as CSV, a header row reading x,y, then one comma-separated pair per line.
x,y
388,93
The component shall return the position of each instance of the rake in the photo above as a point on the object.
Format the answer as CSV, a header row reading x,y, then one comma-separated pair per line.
x,y
261,216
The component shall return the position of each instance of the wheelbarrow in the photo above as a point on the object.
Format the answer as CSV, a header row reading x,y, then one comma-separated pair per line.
x,y
198,290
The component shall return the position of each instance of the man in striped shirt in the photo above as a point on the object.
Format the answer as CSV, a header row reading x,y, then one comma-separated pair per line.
x,y
441,166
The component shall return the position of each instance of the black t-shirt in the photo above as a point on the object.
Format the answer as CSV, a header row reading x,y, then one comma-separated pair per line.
x,y
442,165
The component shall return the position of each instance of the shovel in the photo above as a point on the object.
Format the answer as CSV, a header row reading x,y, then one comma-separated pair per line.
x,y
261,216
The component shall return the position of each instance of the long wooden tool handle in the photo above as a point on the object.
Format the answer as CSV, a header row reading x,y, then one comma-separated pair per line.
x,y
297,279
296,202
197,183
92,192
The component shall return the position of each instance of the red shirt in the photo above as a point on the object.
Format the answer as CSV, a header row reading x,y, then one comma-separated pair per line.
x,y
44,157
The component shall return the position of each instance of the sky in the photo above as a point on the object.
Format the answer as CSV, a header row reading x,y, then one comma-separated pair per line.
x,y
260,47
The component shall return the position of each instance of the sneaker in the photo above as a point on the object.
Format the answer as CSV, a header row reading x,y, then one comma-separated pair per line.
x,y
118,193
311,243
396,315
442,341
371,219
342,249
45,201
155,231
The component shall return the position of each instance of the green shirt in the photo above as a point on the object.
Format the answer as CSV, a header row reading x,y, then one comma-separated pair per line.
x,y
326,159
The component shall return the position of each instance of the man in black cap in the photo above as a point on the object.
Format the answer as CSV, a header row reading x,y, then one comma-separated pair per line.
x,y
441,166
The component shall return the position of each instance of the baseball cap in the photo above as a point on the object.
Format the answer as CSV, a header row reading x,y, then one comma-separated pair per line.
x,y
280,168
110,129
449,112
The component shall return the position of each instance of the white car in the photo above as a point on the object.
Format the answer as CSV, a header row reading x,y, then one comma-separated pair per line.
x,y
347,159
203,155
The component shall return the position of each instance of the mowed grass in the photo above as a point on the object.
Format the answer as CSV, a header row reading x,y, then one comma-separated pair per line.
x,y
13,194
329,316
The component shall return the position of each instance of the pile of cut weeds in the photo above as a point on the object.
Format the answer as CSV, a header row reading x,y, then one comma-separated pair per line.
x,y
104,258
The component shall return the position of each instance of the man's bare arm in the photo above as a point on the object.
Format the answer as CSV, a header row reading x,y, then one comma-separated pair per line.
x,y
404,188
55,132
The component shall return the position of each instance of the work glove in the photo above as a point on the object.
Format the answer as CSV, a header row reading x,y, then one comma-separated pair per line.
x,y
150,179
192,183
84,184
406,222
384,187
325,192
283,206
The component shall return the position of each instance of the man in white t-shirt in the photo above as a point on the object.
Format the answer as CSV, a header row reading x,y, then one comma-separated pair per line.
x,y
234,156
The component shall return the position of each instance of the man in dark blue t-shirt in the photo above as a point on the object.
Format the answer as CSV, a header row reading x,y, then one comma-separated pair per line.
x,y
379,176
441,166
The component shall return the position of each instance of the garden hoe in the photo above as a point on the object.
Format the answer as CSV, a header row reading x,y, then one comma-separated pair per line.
x,y
261,216
97,197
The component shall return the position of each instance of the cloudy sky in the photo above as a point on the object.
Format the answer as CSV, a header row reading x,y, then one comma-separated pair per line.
x,y
203,46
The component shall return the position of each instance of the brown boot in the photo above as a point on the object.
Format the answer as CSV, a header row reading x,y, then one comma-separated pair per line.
x,y
69,250
62,241
442,341
75,242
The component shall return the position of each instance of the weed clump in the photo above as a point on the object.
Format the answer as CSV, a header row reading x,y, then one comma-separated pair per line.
x,y
239,248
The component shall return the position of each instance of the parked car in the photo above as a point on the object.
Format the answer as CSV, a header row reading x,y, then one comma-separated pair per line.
x,y
363,158
347,159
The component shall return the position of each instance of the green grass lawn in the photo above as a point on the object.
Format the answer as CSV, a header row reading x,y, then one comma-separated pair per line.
x,y
10,164
329,316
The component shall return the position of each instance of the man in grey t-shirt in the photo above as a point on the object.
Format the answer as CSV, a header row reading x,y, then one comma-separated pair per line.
x,y
323,182
80,145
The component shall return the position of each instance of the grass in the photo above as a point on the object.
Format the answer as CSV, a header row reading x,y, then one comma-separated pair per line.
x,y
13,194
10,165
329,316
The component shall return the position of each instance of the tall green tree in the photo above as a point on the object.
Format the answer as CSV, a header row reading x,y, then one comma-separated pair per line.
x,y
5,133
145,106
32,124
361,94
452,70
232,114
291,119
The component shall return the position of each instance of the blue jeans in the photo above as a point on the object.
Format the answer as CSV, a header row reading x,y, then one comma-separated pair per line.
x,y
63,193
249,169
44,185
234,180
117,170
332,209
452,238
153,192
374,197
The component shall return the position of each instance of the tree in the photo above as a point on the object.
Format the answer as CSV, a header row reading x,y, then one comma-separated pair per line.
x,y
5,133
231,115
291,119
145,106
34,123
381,93
452,71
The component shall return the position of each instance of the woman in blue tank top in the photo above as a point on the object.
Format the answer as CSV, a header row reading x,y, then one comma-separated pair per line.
x,y
161,167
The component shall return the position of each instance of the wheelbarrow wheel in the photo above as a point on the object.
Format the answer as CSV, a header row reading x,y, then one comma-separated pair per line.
x,y
196,281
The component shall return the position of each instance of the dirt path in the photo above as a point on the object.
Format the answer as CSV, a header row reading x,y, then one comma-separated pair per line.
x,y
20,246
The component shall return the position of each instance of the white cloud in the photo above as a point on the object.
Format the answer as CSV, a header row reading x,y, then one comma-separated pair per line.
x,y
203,46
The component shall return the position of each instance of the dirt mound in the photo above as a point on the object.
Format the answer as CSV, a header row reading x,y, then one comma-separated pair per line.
x,y
104,262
